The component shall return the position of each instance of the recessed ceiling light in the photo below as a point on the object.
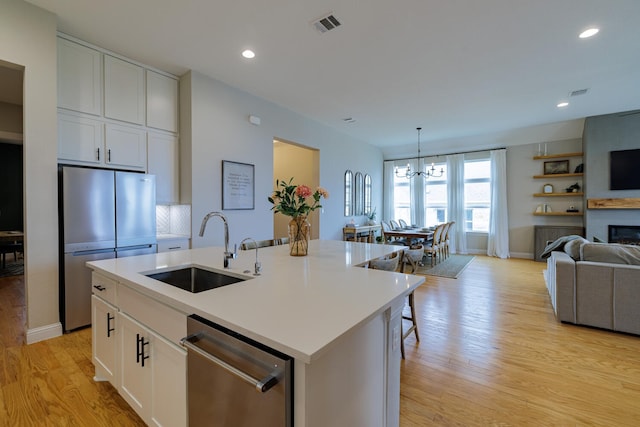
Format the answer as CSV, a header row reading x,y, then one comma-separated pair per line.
x,y
562,104
589,33
249,54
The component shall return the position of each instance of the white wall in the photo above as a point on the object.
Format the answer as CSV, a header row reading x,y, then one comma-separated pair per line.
x,y
219,129
28,38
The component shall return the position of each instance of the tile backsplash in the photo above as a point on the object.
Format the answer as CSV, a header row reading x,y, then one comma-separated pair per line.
x,y
173,219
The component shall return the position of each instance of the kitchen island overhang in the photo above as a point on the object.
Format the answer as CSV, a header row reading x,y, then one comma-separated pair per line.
x,y
322,309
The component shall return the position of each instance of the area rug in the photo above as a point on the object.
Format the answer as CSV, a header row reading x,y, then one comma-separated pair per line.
x,y
450,267
12,269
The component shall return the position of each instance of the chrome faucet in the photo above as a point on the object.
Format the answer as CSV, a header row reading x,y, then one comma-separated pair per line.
x,y
227,255
257,267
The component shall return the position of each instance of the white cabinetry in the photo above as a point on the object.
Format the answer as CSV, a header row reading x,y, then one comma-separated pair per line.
x,y
162,102
135,349
125,146
80,139
104,340
173,244
79,78
123,90
162,161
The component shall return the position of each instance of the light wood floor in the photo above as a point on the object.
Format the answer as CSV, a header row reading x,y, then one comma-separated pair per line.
x,y
491,353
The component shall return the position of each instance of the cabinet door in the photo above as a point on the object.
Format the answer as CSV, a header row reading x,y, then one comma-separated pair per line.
x,y
105,340
162,102
135,367
169,399
123,90
162,161
80,139
79,77
173,245
125,146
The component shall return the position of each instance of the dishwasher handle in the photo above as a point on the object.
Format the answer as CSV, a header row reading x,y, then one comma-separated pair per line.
x,y
262,385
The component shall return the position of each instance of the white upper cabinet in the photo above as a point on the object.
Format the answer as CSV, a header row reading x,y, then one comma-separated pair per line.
x,y
123,91
79,78
126,146
80,139
162,161
162,102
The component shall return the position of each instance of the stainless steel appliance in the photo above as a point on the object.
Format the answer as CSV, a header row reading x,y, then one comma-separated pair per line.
x,y
235,381
103,214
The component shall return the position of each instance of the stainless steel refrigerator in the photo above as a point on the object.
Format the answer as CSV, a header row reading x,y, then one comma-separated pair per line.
x,y
103,214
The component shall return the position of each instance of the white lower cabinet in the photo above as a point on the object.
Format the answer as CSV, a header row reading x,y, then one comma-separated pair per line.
x,y
104,340
152,375
148,370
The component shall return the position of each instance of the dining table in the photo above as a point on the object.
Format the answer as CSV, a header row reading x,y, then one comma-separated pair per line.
x,y
410,234
9,242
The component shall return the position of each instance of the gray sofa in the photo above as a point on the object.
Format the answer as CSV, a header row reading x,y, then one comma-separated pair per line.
x,y
596,284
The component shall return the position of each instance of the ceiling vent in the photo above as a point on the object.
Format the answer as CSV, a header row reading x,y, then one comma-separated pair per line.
x,y
326,23
578,92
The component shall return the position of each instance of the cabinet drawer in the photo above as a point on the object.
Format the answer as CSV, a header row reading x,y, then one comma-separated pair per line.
x,y
161,318
173,245
104,287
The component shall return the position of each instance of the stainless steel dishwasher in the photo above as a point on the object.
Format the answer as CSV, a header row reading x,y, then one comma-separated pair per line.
x,y
235,381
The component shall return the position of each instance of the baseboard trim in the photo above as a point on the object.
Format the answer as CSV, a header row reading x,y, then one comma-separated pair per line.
x,y
44,333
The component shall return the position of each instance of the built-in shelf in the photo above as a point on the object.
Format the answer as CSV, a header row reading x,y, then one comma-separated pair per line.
x,y
558,213
558,194
619,203
557,156
558,175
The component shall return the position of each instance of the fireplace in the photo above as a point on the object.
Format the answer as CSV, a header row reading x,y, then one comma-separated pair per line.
x,y
624,234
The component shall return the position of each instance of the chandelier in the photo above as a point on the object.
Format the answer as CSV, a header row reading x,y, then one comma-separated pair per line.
x,y
408,173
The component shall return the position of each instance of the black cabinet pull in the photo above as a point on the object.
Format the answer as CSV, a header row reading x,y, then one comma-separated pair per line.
x,y
109,155
100,287
140,345
98,150
109,328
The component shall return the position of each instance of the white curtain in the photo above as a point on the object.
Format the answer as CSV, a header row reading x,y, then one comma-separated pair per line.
x,y
455,202
498,241
388,203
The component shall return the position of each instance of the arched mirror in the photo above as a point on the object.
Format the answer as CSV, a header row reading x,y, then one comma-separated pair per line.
x,y
367,194
359,194
348,193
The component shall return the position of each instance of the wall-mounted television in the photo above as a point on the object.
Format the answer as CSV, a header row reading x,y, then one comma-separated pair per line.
x,y
623,167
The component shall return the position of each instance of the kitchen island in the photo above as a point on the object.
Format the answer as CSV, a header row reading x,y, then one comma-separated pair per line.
x,y
339,322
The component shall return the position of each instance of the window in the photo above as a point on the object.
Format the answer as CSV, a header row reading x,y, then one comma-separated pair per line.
x,y
435,198
401,199
434,201
477,194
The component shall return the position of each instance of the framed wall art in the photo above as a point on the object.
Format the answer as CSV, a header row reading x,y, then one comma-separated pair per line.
x,y
238,185
556,167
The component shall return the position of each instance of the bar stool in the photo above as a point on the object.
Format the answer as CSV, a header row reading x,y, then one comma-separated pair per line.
x,y
413,257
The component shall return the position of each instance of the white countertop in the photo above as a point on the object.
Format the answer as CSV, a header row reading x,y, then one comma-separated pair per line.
x,y
298,305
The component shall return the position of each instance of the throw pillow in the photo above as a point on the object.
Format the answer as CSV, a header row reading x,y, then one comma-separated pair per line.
x,y
610,253
572,248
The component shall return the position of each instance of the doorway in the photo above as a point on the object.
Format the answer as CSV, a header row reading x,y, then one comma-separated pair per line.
x,y
303,164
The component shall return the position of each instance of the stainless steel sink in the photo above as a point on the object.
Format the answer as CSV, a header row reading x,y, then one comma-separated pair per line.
x,y
195,279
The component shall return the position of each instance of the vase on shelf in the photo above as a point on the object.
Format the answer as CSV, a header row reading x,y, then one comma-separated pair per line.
x,y
299,232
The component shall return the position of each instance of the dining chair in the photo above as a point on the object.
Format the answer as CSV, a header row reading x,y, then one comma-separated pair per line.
x,y
447,238
403,223
442,244
389,239
412,257
433,249
394,225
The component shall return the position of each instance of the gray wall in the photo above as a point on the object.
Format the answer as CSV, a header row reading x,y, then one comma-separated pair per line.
x,y
28,39
521,167
215,127
603,134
